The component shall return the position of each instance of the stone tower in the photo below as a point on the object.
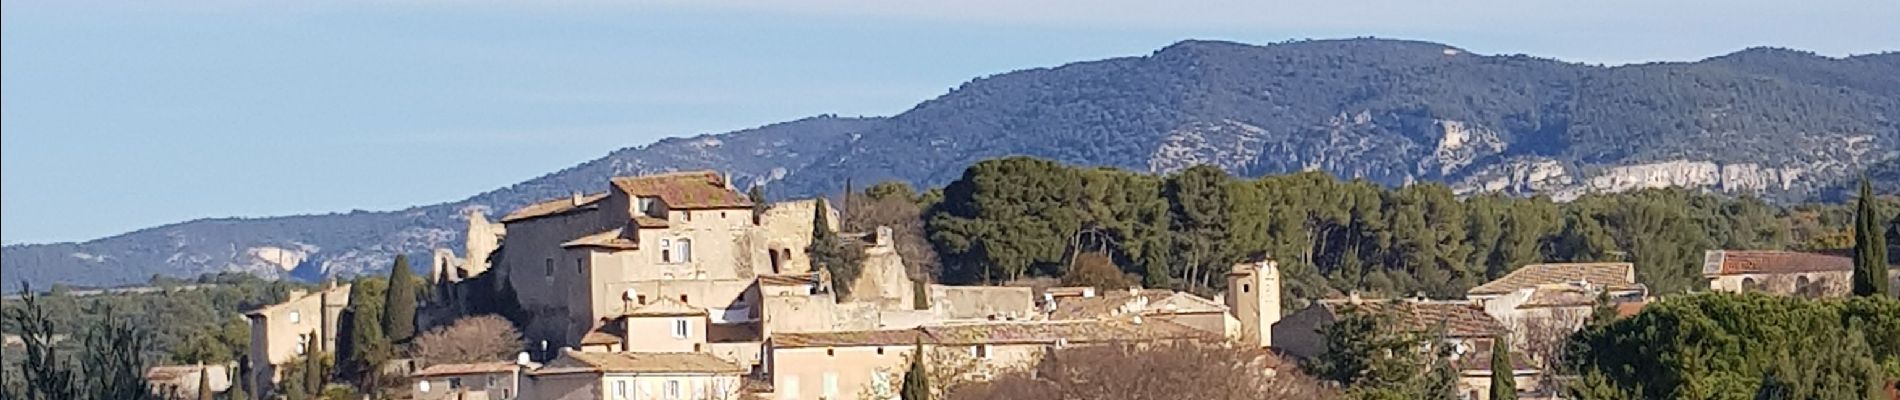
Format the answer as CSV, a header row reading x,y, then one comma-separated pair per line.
x,y
1253,295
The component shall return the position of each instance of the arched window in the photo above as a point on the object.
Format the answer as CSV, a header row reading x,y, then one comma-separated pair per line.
x,y
684,249
1749,285
1804,288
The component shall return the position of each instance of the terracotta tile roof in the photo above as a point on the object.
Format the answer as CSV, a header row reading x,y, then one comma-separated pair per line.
x,y
599,338
684,190
1731,262
609,239
891,337
788,280
649,222
466,369
1460,319
666,307
1624,310
1015,332
1120,302
1070,331
1615,275
552,207
572,362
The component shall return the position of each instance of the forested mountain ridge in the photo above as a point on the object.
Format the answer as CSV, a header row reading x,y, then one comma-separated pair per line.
x,y
1783,123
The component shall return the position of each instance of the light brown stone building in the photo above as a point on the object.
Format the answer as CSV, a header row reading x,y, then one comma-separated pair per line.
x,y
870,364
1782,272
181,381
579,375
1539,302
473,381
280,332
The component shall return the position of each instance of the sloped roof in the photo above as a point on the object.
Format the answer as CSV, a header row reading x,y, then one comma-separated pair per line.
x,y
552,207
1014,332
1614,275
1460,319
623,362
684,190
466,369
666,307
1116,302
609,239
888,337
1560,295
788,280
597,337
1732,262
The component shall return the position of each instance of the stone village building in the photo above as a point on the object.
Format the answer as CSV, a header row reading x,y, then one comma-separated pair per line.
x,y
280,332
1785,273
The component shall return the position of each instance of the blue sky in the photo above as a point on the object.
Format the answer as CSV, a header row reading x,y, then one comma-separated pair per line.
x,y
116,116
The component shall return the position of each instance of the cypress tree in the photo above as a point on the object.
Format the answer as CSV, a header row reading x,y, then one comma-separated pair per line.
x,y
368,346
313,367
917,381
1503,378
204,383
399,310
1870,246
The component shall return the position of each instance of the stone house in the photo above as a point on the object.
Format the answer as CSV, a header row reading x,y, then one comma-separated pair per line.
x,y
1467,331
472,381
576,375
280,332
1543,302
870,364
181,381
1785,273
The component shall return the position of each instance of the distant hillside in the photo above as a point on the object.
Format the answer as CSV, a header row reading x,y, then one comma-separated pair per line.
x,y
1785,124
307,246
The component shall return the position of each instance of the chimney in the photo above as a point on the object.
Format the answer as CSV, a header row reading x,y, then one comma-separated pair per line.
x,y
1352,297
577,198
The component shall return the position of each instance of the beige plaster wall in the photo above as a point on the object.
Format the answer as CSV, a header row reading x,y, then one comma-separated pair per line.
x,y
655,335
473,386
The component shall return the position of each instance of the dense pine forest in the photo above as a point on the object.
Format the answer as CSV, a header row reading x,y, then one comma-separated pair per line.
x,y
1021,217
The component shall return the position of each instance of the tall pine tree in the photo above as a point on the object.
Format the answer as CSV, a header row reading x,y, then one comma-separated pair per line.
x,y
917,381
1503,376
1870,245
399,310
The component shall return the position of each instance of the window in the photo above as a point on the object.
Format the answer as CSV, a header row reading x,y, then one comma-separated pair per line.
x,y
685,250
550,268
580,266
680,330
303,342
1749,285
682,298
295,316
1244,287
620,389
455,383
688,215
666,250
831,352
831,385
643,299
880,350
672,389
981,351
722,215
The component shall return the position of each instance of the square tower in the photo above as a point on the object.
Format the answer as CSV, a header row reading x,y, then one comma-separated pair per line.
x,y
1253,295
